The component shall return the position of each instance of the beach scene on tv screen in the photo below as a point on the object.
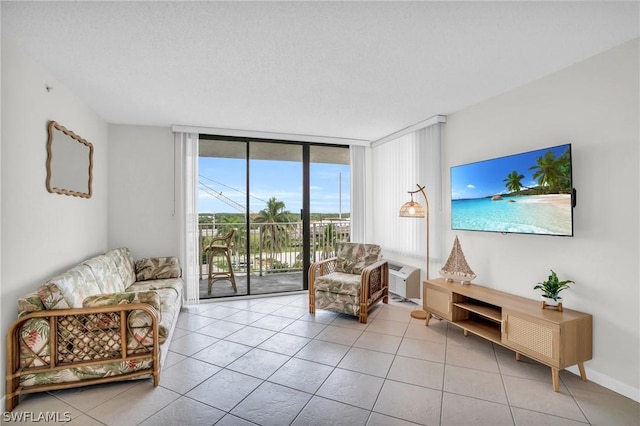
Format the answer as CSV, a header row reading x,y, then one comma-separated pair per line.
x,y
525,193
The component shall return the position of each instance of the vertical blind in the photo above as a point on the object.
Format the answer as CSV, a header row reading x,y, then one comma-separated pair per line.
x,y
358,191
399,166
186,169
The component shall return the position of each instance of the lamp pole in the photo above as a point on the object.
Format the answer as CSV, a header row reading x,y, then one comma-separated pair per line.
x,y
413,209
426,216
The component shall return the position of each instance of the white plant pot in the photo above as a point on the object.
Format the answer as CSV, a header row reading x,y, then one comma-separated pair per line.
x,y
550,302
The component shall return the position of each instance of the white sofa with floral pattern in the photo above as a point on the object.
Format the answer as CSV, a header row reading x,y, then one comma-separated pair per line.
x,y
106,319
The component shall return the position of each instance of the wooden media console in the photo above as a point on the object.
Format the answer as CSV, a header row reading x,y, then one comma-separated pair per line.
x,y
555,338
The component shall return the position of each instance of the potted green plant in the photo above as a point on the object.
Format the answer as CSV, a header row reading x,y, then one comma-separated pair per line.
x,y
551,289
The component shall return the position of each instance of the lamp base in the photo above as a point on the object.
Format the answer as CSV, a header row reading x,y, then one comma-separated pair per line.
x,y
419,314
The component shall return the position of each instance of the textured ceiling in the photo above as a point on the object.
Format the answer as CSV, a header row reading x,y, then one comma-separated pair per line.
x,y
358,70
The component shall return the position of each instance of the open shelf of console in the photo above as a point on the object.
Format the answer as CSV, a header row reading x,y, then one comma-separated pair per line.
x,y
554,338
479,318
494,313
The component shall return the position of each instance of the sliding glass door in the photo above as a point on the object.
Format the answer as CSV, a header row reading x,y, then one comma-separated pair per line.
x,y
275,206
330,201
286,203
222,206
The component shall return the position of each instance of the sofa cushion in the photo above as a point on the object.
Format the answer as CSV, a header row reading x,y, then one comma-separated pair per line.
x,y
339,283
34,343
155,268
139,329
51,297
170,291
106,273
123,261
352,258
78,374
73,286
149,297
30,303
174,284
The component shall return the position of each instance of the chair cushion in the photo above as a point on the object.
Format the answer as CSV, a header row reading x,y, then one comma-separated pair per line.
x,y
352,258
339,283
342,303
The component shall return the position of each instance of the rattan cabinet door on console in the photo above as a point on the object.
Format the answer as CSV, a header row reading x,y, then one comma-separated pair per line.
x,y
437,300
559,342
535,338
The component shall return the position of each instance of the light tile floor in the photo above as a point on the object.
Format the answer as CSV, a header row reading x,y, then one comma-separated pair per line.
x,y
266,361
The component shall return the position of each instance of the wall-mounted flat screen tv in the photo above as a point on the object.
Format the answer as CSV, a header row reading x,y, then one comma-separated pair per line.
x,y
527,193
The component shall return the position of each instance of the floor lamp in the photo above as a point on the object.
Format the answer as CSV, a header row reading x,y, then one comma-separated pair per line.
x,y
414,209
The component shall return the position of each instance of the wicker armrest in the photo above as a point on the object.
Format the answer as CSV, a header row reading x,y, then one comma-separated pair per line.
x,y
316,270
374,280
320,268
377,265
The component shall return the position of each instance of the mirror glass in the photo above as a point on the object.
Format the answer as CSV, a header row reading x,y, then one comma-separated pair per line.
x,y
69,162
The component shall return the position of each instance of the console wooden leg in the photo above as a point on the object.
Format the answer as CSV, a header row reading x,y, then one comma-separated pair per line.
x,y
426,322
518,356
465,332
555,378
583,374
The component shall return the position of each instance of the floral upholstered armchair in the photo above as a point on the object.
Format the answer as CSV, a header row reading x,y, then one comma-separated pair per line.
x,y
350,283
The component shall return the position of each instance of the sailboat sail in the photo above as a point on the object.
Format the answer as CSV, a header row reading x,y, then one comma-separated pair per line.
x,y
456,268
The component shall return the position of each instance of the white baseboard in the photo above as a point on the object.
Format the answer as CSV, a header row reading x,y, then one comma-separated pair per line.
x,y
609,383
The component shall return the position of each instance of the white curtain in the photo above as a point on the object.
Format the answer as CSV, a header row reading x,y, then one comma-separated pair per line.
x,y
186,169
399,166
358,191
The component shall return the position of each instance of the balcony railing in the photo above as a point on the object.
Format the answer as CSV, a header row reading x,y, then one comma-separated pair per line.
x,y
274,247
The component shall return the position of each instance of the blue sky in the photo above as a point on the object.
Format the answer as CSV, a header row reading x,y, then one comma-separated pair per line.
x,y
280,179
484,178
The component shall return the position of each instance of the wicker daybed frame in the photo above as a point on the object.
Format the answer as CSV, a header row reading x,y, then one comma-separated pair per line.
x,y
73,343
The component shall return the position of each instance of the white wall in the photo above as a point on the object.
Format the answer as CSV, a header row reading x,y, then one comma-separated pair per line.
x,y
141,190
595,106
43,233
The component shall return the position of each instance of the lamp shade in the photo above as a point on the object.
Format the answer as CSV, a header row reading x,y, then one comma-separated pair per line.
x,y
411,209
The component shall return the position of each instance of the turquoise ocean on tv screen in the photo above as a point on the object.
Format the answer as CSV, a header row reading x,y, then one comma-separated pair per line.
x,y
520,214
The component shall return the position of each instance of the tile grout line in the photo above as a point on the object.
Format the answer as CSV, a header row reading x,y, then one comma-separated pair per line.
x,y
197,316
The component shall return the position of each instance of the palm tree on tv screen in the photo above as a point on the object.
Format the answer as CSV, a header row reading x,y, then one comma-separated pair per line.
x,y
547,172
564,166
513,181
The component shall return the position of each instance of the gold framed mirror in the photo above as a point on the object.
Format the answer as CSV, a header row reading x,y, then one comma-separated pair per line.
x,y
69,162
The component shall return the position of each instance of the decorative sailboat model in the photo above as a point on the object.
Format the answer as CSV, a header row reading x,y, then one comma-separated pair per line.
x,y
457,268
